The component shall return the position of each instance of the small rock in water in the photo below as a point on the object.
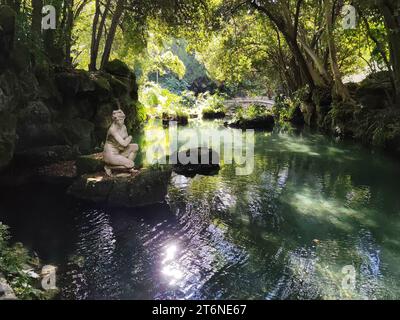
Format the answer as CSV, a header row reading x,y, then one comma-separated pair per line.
x,y
203,161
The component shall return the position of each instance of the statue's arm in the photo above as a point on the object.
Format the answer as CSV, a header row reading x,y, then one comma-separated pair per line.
x,y
123,142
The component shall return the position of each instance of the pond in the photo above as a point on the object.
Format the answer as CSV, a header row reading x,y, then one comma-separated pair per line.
x,y
312,209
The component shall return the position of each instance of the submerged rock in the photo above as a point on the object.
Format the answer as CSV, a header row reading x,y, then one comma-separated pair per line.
x,y
149,187
265,122
203,161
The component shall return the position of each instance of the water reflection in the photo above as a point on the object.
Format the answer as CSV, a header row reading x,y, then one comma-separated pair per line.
x,y
311,207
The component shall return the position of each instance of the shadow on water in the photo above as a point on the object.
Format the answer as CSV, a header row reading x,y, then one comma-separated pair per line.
x,y
311,207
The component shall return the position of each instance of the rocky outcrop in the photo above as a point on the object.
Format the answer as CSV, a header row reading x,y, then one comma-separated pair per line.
x,y
46,155
149,187
373,92
90,163
45,108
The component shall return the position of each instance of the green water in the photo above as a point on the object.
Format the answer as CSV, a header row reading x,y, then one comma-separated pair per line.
x,y
311,207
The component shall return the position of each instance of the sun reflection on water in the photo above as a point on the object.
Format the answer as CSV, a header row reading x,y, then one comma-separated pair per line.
x,y
170,265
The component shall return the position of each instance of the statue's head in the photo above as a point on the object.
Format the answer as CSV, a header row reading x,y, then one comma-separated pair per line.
x,y
118,117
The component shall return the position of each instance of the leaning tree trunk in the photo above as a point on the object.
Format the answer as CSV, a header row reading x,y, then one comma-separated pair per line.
x,y
340,89
111,34
291,40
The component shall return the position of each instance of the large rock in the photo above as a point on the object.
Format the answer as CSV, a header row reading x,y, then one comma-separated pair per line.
x,y
21,57
46,155
124,80
70,83
149,187
36,128
103,120
80,132
90,163
373,92
205,162
265,122
42,104
117,68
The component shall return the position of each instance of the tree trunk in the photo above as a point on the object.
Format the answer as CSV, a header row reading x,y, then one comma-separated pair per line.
x,y
69,26
36,26
301,61
93,52
325,78
340,88
101,28
393,30
111,33
14,4
291,39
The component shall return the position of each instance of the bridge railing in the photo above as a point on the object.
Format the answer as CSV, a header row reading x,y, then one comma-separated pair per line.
x,y
265,101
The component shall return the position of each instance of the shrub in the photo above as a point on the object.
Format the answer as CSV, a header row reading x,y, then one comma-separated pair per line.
x,y
285,108
379,128
13,260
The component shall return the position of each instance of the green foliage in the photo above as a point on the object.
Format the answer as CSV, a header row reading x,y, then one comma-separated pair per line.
x,y
162,103
211,106
189,99
13,260
140,115
252,112
379,128
171,82
341,118
285,108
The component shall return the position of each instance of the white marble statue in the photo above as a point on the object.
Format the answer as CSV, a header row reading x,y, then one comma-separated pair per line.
x,y
119,153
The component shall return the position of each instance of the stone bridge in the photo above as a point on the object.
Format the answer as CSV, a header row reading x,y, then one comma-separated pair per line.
x,y
246,102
